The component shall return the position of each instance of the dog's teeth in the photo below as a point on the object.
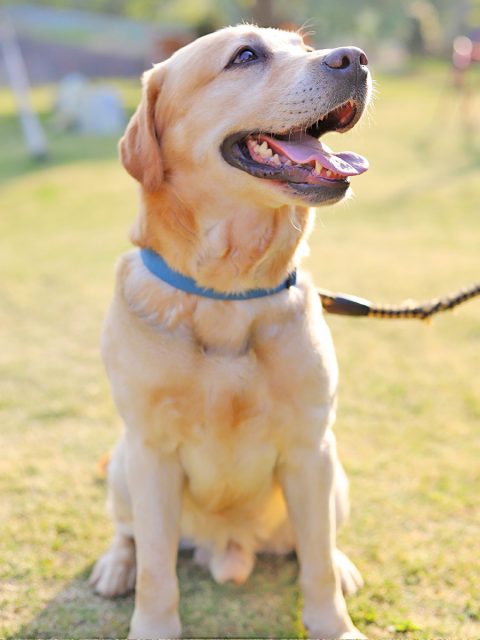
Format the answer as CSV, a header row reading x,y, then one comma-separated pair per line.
x,y
263,150
329,173
318,167
276,160
269,153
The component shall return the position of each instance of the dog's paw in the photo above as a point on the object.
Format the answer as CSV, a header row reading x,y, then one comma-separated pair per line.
x,y
114,573
350,577
144,627
329,624
235,563
354,634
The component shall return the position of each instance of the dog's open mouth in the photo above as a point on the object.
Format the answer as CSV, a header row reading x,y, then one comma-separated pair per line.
x,y
297,157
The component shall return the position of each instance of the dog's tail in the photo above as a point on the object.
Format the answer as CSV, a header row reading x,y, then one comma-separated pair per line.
x,y
102,464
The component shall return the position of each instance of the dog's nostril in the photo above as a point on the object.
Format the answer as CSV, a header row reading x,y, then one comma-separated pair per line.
x,y
345,57
363,59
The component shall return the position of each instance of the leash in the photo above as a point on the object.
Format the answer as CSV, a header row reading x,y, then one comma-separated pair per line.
x,y
346,305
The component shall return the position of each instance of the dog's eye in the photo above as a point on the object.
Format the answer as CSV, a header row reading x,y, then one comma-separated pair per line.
x,y
244,55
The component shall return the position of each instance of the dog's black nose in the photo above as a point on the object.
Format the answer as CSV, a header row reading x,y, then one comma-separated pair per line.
x,y
347,58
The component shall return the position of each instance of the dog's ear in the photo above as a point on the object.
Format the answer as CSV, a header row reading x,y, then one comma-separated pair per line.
x,y
140,145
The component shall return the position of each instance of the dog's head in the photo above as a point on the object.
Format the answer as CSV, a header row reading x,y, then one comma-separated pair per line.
x,y
239,113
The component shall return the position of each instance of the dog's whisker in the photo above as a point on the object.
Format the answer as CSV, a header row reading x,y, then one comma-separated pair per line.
x,y
307,24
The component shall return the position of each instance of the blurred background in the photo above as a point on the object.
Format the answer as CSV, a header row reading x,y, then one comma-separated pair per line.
x,y
409,412
122,37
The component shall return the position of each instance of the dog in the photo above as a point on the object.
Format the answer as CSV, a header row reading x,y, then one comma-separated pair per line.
x,y
227,390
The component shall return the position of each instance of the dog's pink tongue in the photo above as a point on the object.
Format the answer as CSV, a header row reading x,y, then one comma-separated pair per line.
x,y
304,148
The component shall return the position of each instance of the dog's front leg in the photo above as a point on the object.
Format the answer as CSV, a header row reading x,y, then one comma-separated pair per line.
x,y
155,484
307,479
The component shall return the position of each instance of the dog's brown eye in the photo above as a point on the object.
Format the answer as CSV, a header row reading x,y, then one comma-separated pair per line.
x,y
244,55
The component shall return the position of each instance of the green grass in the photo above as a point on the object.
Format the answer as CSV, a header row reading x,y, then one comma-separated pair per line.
x,y
408,423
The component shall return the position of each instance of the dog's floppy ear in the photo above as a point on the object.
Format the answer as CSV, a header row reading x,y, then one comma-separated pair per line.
x,y
140,144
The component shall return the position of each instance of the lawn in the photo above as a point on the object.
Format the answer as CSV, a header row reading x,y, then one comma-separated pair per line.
x,y
409,415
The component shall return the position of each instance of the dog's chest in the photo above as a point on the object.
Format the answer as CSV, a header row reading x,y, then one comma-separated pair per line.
x,y
236,417
230,415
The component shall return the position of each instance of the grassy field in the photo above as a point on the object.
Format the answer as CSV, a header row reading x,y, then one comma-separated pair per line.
x,y
409,418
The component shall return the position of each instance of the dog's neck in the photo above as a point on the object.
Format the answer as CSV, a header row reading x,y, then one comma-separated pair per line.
x,y
220,247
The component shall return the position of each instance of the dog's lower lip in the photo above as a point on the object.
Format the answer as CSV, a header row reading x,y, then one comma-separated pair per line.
x,y
319,194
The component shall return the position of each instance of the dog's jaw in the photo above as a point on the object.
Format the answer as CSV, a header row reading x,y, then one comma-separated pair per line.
x,y
296,161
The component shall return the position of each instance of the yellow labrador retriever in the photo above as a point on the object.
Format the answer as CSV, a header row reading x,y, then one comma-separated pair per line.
x,y
221,365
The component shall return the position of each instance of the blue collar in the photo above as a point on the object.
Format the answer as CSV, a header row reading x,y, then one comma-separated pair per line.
x,y
157,265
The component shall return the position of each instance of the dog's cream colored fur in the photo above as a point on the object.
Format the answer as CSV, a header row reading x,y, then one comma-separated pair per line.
x,y
228,405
